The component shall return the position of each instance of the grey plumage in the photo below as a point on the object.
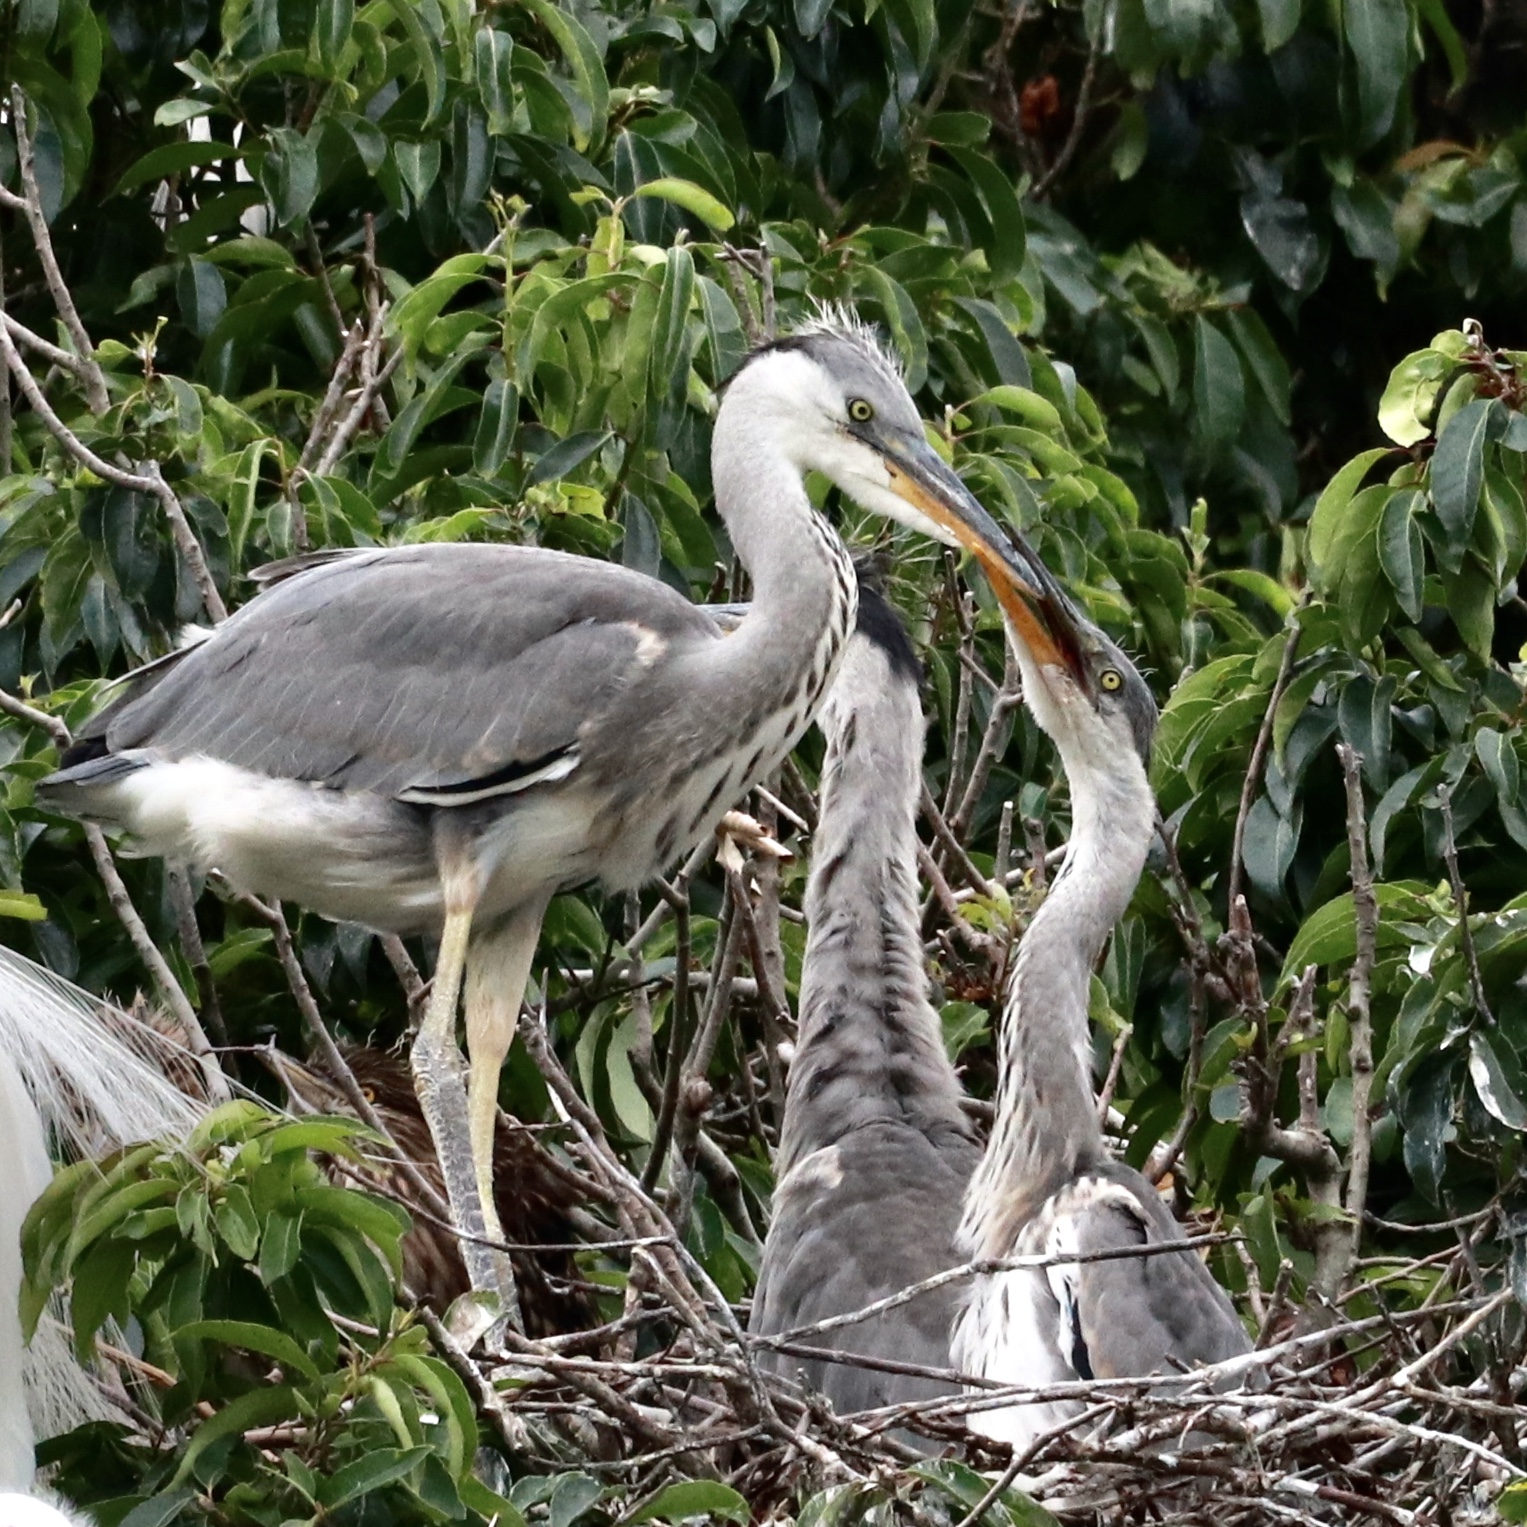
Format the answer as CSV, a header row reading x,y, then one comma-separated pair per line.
x,y
1045,1184
875,1149
441,738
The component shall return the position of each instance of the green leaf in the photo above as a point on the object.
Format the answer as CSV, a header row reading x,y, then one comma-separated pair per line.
x,y
1219,391
494,51
427,56
290,174
1009,240
695,1497
1458,465
382,1467
1405,410
689,196
1280,20
1401,554
252,1337
1328,936
1497,1078
495,428
203,295
668,366
332,24
1471,602
173,159
1026,404
1378,33
22,905
260,1407
1331,506
419,165
583,59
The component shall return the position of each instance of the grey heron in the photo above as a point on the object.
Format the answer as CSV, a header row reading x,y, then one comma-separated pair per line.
x,y
875,1150
439,738
1045,1184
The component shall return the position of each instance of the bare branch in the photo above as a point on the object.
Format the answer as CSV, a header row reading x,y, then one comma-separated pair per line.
x,y
1259,757
1461,901
1365,911
97,398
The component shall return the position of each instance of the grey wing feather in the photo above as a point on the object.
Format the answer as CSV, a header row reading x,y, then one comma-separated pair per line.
x,y
417,668
854,1223
1156,1314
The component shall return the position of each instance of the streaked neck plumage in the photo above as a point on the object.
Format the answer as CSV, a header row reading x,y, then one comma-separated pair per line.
x,y
1046,1128
870,1044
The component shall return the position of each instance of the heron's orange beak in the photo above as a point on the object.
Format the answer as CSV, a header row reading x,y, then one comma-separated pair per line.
x,y
1038,610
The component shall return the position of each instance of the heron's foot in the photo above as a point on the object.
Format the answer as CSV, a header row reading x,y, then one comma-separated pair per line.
x,y
737,831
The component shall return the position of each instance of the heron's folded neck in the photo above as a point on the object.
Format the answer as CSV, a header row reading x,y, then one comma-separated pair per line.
x,y
871,1046
1046,1128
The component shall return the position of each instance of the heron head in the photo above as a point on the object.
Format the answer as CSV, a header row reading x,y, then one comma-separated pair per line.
x,y
833,400
1080,687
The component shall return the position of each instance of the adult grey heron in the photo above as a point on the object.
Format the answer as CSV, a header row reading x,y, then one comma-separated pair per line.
x,y
1045,1184
439,738
875,1151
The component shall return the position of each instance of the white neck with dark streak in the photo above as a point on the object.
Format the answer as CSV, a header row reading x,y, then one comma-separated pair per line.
x,y
1046,1127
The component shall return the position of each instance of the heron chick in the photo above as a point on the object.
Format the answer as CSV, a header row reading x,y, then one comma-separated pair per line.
x,y
440,738
875,1149
1046,1185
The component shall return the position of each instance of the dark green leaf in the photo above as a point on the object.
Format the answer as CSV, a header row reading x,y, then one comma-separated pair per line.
x,y
1458,465
695,1497
1378,33
1401,554
1219,392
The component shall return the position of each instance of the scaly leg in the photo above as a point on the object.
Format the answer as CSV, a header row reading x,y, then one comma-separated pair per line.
x,y
437,1069
496,978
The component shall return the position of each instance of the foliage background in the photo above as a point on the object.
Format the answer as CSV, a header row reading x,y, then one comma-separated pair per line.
x,y
1150,264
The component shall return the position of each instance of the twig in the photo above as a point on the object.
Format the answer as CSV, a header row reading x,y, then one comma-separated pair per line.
x,y
1461,901
184,904
1366,914
1078,118
155,963
1258,758
149,481
97,399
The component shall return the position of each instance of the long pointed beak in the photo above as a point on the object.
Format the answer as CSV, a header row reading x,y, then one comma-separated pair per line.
x,y
1038,609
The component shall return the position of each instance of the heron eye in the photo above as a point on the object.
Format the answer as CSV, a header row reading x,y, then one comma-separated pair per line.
x,y
1110,679
369,1093
860,411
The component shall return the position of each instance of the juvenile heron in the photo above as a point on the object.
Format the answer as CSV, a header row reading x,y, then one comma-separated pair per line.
x,y
439,738
875,1150
1045,1184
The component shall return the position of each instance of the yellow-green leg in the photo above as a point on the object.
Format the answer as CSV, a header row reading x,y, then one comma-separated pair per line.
x,y
497,975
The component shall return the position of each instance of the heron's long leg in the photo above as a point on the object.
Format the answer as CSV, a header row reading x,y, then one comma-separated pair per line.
x,y
497,973
437,1069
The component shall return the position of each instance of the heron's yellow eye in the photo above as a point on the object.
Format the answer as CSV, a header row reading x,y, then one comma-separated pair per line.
x,y
860,411
1110,679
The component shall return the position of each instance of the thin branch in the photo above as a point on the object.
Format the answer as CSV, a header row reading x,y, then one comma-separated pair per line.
x,y
149,481
155,963
1078,119
97,399
1461,901
1258,758
1366,914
